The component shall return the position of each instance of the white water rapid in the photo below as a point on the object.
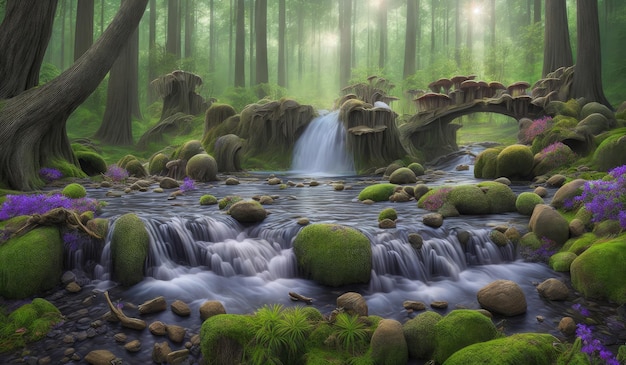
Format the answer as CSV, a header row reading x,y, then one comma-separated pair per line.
x,y
321,150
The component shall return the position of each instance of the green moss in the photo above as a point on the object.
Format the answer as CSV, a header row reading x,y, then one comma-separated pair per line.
x,y
420,334
522,348
122,162
202,167
500,196
515,161
599,271
461,328
91,163
223,338
228,200
388,345
486,164
30,322
595,107
578,245
31,263
188,150
377,192
66,168
74,191
563,121
208,199
129,248
388,213
135,168
469,199
156,164
24,315
417,168
402,175
561,261
526,202
612,151
333,254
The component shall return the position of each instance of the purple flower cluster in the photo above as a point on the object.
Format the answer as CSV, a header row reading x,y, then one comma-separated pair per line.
x,y
605,199
582,310
49,174
188,184
557,154
542,253
537,127
436,200
73,239
593,347
116,173
16,205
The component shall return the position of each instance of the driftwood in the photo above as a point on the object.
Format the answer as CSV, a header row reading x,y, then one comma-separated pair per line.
x,y
297,297
132,323
56,216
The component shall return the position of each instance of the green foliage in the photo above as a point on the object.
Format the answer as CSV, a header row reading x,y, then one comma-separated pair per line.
x,y
224,336
74,191
239,97
28,323
352,334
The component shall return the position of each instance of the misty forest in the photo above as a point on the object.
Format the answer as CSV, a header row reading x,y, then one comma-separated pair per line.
x,y
312,182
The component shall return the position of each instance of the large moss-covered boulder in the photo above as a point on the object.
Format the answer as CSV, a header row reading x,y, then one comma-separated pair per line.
x,y
521,348
459,329
469,199
247,211
486,164
419,333
525,202
224,337
599,271
547,223
31,263
202,167
157,164
593,124
500,196
611,152
129,249
74,191
334,255
417,168
594,107
188,150
377,192
388,344
562,261
91,163
515,161
403,175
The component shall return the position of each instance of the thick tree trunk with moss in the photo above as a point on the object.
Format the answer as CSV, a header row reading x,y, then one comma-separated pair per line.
x,y
178,90
32,124
557,51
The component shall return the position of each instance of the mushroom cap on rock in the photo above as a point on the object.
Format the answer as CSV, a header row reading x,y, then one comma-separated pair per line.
x,y
247,211
504,297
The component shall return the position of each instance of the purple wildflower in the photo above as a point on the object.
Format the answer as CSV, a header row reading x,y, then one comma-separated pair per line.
x,y
49,174
16,205
436,200
605,199
116,173
582,310
537,127
72,240
592,346
188,184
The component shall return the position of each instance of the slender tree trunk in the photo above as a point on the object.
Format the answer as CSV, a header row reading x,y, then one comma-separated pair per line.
x,y
240,45
457,34
34,121
190,10
410,38
84,27
382,24
282,24
152,54
300,41
432,31
345,40
21,56
260,26
557,51
251,44
172,44
588,70
537,11
212,36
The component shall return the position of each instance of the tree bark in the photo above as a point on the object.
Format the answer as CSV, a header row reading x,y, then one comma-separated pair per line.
x,y
172,44
190,10
382,31
345,40
557,51
34,122
240,45
282,66
588,70
260,26
84,27
24,35
410,38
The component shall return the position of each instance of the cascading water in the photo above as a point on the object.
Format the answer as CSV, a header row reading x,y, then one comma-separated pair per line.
x,y
321,150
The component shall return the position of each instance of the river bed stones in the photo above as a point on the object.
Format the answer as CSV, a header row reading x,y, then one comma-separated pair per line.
x,y
504,297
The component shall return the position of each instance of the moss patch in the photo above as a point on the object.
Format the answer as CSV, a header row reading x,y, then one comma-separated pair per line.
x,y
377,192
129,248
74,191
223,338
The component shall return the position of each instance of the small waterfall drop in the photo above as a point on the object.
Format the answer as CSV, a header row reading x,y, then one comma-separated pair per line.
x,y
321,150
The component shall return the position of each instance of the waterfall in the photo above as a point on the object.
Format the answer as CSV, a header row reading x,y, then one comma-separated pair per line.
x,y
321,150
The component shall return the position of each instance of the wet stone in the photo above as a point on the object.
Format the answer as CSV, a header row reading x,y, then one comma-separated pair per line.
x,y
181,308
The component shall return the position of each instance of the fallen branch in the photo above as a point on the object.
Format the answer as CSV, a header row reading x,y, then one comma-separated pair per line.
x,y
132,323
297,297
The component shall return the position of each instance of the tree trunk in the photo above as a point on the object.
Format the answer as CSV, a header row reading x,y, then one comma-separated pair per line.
x,y
24,36
537,11
588,70
212,37
410,38
240,45
84,27
382,29
457,34
32,124
122,96
190,10
345,40
557,51
152,54
282,66
172,44
260,26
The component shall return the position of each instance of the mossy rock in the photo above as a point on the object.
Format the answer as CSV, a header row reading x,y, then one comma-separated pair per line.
x,y
486,164
208,199
526,202
419,333
607,228
388,213
595,107
561,261
593,124
129,249
202,167
188,150
74,191
122,162
578,245
611,152
570,108
388,345
500,196
417,168
247,211
156,164
461,328
599,271
498,238
66,168
392,167
227,201
377,192
31,263
403,175
135,168
563,121
547,223
224,337
515,161
469,199
521,348
36,319
333,255
91,163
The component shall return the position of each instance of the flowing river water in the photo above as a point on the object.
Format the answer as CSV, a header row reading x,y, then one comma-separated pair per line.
x,y
199,253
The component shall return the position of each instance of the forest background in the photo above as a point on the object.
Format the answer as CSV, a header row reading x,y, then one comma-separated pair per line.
x,y
308,50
